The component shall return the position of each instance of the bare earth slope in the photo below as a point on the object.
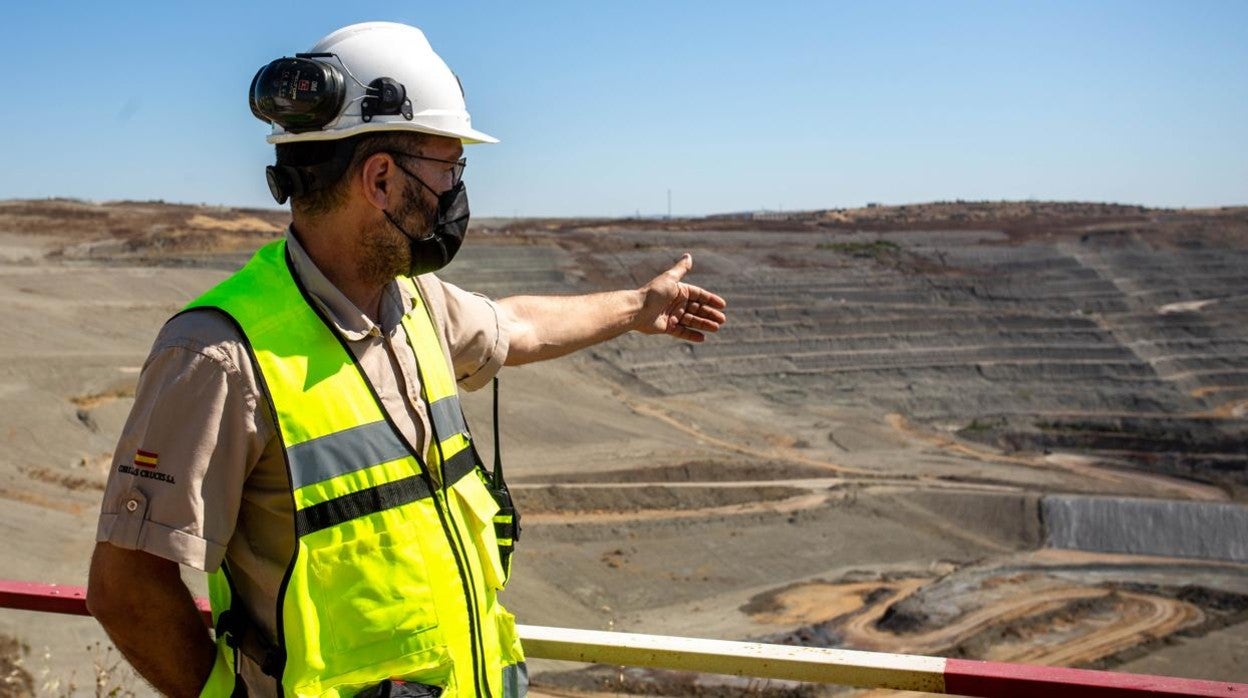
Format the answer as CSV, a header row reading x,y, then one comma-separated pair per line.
x,y
858,460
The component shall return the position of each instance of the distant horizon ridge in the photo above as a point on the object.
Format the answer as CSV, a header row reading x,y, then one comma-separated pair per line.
x,y
762,213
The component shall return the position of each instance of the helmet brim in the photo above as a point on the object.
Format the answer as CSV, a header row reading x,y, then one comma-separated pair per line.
x,y
467,136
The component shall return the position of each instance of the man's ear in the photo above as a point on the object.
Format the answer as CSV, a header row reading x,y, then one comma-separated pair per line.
x,y
377,180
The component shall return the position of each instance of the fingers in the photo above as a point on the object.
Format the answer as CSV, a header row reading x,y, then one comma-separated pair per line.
x,y
693,322
687,334
691,328
698,294
702,317
706,312
705,304
699,323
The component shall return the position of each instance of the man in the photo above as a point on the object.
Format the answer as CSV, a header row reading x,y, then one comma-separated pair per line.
x,y
296,431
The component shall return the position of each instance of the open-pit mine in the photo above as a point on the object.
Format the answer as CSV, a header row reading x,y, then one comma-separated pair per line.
x,y
1009,431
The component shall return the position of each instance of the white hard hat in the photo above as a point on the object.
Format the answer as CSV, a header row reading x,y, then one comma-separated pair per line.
x,y
373,50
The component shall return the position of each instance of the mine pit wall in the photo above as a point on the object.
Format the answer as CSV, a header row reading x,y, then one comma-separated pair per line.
x,y
1146,527
1163,528
1000,519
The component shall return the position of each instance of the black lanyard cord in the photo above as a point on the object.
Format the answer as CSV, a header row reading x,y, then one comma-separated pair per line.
x,y
499,483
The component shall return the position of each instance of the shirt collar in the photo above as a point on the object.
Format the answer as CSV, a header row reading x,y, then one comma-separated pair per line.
x,y
348,320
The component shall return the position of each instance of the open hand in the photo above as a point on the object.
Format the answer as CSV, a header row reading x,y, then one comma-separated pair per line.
x,y
682,310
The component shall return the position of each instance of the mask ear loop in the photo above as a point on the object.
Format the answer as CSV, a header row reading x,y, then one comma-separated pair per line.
x,y
409,173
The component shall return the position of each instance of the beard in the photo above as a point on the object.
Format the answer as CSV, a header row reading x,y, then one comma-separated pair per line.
x,y
387,251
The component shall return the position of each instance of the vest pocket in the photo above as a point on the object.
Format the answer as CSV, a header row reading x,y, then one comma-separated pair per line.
x,y
511,655
482,508
373,590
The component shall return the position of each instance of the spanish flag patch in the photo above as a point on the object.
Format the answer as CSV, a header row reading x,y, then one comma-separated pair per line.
x,y
145,459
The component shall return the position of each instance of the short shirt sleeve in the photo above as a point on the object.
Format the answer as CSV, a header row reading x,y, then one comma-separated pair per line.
x,y
477,337
186,450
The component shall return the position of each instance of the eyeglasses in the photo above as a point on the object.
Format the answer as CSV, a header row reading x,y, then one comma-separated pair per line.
x,y
456,166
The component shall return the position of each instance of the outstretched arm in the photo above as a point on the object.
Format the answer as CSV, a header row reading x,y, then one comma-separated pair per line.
x,y
546,327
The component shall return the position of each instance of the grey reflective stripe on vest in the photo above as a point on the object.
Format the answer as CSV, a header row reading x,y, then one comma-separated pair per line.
x,y
343,452
378,498
515,680
447,417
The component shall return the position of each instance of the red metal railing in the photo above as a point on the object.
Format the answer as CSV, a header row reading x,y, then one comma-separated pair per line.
x,y
813,664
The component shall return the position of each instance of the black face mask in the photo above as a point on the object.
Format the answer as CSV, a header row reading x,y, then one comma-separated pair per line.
x,y
446,234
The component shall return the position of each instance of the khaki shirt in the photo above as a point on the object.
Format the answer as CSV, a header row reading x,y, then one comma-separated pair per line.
x,y
219,487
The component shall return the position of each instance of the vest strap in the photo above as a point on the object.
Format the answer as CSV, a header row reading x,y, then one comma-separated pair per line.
x,y
459,465
362,503
241,634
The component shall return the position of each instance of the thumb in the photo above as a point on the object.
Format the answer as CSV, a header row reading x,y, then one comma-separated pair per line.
x,y
682,267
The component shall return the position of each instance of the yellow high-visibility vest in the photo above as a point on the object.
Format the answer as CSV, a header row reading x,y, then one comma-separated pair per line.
x,y
395,573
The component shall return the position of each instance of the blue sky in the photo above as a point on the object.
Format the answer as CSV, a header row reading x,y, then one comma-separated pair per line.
x,y
604,107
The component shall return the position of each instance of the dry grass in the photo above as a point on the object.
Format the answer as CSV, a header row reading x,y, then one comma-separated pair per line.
x,y
17,681
110,676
